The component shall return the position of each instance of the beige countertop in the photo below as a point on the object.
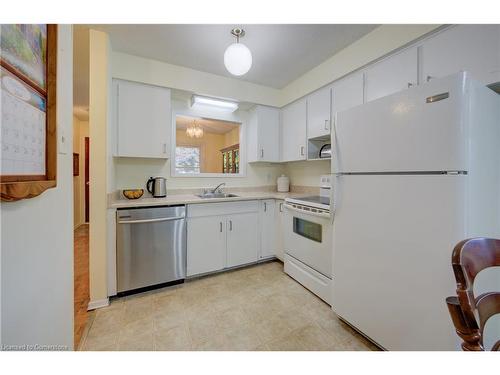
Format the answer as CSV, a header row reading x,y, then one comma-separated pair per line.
x,y
193,199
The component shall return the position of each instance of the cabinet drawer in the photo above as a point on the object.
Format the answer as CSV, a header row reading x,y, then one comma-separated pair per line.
x,y
223,208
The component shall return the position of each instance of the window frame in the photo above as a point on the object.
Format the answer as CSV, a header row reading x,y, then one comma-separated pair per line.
x,y
179,109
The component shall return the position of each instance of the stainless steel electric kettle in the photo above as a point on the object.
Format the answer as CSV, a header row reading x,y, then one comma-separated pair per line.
x,y
157,186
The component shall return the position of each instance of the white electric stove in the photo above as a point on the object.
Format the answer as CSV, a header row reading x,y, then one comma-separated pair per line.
x,y
308,240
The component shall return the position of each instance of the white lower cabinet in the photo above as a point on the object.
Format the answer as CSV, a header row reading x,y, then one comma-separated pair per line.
x,y
206,238
222,235
268,228
242,238
279,218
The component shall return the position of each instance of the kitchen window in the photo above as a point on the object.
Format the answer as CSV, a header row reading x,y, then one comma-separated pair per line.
x,y
187,159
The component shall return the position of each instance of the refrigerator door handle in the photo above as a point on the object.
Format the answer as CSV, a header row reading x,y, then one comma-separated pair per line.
x,y
334,147
334,196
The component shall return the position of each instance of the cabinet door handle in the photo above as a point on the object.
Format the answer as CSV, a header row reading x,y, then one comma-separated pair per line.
x,y
326,124
429,78
265,206
164,148
261,152
301,150
281,207
220,226
410,84
230,225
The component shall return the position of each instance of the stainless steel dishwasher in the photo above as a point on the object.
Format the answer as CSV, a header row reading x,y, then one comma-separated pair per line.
x,y
151,247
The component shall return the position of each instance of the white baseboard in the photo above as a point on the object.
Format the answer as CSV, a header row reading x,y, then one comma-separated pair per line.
x,y
98,304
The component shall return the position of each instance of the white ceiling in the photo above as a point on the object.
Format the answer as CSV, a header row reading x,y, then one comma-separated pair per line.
x,y
281,53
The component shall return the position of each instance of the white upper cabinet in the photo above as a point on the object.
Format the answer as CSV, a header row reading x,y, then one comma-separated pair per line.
x,y
264,134
293,130
394,73
318,113
473,48
143,119
348,92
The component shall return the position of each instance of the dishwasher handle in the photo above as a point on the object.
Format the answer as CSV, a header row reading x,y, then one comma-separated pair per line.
x,y
151,220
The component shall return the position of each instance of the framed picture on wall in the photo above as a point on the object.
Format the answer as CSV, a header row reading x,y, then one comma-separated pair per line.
x,y
28,157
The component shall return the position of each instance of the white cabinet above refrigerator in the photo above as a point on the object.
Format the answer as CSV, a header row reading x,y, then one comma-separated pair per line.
x,y
394,73
348,92
471,48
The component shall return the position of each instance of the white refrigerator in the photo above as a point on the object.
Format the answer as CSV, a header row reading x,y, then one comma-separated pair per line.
x,y
414,173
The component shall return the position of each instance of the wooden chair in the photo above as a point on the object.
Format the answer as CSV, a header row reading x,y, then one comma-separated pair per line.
x,y
469,313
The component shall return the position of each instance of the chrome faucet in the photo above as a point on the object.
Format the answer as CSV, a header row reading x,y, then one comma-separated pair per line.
x,y
217,187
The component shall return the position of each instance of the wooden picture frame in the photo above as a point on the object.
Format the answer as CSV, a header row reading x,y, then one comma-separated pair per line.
x,y
16,187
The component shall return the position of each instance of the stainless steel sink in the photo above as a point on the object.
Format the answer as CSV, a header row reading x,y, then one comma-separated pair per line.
x,y
209,195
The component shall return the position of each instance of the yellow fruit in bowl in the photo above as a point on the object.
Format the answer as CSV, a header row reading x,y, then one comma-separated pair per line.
x,y
133,193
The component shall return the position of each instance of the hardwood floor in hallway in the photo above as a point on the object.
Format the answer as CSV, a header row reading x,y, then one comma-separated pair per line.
x,y
81,280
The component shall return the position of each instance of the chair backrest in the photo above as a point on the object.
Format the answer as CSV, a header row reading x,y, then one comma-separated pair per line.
x,y
470,313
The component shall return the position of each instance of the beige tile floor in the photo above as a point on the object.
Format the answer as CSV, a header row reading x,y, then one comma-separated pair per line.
x,y
254,308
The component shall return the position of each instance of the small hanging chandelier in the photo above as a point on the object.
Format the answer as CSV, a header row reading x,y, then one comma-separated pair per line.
x,y
194,130
238,58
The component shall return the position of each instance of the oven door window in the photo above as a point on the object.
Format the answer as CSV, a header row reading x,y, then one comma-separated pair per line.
x,y
307,229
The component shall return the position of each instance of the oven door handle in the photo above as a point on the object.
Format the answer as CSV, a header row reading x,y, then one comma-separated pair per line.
x,y
319,214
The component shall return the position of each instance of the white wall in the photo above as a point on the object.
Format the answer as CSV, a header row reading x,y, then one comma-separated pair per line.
x,y
133,173
76,179
80,131
306,173
37,242
100,83
155,72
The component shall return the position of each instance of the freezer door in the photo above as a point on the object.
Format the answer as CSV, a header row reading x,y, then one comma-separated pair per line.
x,y
409,131
392,242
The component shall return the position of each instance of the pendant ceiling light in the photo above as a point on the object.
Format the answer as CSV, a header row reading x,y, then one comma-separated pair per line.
x,y
238,58
194,130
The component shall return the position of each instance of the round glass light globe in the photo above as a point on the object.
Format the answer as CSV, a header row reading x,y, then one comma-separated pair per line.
x,y
238,59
